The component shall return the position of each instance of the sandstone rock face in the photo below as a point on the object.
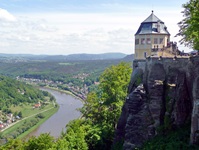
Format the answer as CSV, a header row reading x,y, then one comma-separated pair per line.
x,y
163,93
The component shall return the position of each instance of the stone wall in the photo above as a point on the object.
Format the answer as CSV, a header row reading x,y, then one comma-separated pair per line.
x,y
163,92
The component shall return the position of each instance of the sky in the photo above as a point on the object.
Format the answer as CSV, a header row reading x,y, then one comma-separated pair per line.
x,y
62,27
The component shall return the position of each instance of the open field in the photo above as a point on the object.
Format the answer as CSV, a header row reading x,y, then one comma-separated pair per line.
x,y
47,115
28,109
29,115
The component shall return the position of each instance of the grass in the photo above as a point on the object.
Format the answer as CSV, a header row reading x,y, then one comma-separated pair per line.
x,y
27,110
47,115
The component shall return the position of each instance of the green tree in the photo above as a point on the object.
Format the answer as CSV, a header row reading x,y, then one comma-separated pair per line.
x,y
102,108
75,135
92,108
20,114
13,144
60,144
44,141
189,26
113,89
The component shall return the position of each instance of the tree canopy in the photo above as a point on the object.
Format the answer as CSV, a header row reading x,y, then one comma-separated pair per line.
x,y
13,92
102,108
189,26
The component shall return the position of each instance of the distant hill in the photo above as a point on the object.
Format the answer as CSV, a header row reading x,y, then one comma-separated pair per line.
x,y
29,56
20,57
71,57
128,58
76,57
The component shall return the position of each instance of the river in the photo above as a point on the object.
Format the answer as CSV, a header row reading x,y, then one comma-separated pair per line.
x,y
67,111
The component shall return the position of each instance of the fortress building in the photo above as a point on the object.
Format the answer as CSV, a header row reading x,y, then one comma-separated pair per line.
x,y
153,39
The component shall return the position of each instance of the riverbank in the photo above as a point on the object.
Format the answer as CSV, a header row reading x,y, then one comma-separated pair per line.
x,y
64,91
59,90
15,127
16,130
68,111
48,114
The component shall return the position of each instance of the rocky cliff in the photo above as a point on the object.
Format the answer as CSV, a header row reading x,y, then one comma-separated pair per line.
x,y
163,94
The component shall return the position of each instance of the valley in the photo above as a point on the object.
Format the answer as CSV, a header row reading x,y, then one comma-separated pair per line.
x,y
69,73
76,78
22,107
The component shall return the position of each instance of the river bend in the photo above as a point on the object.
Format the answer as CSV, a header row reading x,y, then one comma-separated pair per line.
x,y
68,106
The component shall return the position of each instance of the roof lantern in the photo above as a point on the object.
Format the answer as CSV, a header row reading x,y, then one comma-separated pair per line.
x,y
152,25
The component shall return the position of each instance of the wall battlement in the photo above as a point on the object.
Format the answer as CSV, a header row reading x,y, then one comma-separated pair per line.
x,y
162,60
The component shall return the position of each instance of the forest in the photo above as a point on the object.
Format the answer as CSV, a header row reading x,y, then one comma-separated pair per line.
x,y
13,92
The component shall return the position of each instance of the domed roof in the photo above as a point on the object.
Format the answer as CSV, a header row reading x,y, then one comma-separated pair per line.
x,y
152,25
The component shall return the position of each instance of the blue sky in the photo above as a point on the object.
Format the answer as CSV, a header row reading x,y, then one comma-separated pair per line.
x,y
83,5
79,26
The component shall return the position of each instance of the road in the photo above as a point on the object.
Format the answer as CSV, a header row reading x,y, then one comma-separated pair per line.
x,y
24,119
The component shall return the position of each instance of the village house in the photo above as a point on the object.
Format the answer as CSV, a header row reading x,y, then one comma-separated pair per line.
x,y
10,115
38,105
1,126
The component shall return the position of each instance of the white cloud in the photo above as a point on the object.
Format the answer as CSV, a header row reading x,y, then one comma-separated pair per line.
x,y
6,16
67,33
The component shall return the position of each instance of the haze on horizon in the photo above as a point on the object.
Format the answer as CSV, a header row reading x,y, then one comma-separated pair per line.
x,y
62,27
